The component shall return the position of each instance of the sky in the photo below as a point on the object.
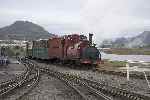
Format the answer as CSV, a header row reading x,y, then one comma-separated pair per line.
x,y
104,18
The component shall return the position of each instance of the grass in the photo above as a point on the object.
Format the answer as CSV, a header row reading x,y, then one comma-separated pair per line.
x,y
13,51
109,65
127,51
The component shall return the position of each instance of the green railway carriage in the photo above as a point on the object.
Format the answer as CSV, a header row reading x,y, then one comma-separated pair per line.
x,y
40,53
40,49
43,53
34,52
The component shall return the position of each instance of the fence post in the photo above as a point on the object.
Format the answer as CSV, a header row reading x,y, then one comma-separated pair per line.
x,y
128,74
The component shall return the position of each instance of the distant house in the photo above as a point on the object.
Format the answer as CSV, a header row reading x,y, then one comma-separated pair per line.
x,y
12,43
106,44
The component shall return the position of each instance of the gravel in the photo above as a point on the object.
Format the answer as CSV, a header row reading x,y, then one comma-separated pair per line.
x,y
10,71
135,85
50,88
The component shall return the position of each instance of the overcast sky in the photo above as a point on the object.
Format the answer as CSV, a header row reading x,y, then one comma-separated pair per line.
x,y
105,18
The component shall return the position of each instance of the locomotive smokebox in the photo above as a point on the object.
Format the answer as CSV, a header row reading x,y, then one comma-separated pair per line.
x,y
90,38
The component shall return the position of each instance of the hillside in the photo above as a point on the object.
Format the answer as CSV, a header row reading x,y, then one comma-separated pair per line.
x,y
142,40
20,30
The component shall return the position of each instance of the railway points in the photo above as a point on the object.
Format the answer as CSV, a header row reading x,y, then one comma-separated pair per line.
x,y
118,92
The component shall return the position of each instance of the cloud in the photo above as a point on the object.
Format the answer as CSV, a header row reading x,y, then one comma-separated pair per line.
x,y
113,18
105,18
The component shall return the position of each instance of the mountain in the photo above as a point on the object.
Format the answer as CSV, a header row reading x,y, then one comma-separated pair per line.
x,y
20,30
141,40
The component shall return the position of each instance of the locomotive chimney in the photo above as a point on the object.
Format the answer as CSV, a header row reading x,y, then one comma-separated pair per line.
x,y
90,38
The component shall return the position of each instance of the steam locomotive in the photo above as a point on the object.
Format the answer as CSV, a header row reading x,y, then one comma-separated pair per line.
x,y
75,49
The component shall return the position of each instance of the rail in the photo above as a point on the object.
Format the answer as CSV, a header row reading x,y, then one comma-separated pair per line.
x,y
19,81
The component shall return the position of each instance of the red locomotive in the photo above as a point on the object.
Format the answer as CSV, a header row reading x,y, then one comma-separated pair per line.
x,y
76,49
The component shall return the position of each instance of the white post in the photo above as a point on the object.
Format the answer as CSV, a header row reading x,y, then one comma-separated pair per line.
x,y
127,66
146,79
144,63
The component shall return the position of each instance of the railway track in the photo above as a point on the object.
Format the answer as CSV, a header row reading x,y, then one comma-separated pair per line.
x,y
85,91
27,79
17,78
111,72
100,90
30,85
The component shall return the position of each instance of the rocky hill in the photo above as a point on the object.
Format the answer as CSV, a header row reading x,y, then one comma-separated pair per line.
x,y
142,40
20,30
